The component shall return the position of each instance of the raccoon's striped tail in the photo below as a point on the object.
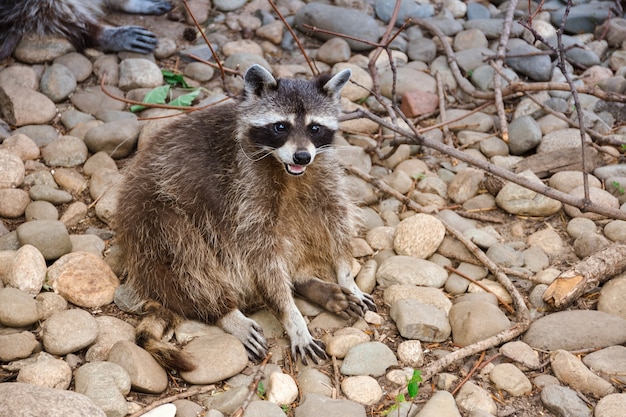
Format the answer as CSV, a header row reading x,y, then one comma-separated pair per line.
x,y
158,322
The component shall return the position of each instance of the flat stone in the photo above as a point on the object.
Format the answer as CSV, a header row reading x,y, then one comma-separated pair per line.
x,y
409,270
22,106
420,321
611,406
17,309
110,331
217,357
107,384
573,372
11,169
146,375
425,295
46,371
372,358
343,340
442,403
22,400
319,405
598,196
69,331
473,321
50,237
515,199
576,330
564,401
521,353
509,378
17,346
13,202
612,295
609,363
472,398
312,381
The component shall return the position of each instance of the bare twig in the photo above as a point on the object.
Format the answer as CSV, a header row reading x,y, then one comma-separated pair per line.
x,y
189,393
484,287
252,387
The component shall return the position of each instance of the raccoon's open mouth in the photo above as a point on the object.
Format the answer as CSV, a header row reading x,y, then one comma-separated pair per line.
x,y
294,169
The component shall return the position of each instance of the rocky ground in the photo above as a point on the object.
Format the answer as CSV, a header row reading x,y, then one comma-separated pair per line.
x,y
67,344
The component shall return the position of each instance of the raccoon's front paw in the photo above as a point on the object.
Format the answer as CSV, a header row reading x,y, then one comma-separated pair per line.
x,y
157,7
312,349
248,332
128,38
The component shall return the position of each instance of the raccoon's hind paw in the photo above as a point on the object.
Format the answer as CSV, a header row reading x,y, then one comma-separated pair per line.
x,y
128,38
368,301
314,350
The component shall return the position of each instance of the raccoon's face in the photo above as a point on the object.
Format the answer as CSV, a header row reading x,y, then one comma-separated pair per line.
x,y
293,120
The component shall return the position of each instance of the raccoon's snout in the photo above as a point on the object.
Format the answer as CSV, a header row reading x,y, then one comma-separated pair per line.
x,y
302,157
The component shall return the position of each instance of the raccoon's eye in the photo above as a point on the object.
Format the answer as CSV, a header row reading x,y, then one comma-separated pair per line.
x,y
281,127
315,129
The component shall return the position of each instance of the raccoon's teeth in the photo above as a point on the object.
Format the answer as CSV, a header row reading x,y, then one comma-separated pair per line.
x,y
294,169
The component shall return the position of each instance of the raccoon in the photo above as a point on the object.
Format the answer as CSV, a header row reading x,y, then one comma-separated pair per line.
x,y
78,21
239,206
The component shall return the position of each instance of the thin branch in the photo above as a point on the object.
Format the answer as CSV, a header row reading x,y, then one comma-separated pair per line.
x,y
252,387
189,393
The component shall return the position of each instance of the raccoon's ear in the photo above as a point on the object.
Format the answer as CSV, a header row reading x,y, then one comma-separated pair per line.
x,y
257,80
337,82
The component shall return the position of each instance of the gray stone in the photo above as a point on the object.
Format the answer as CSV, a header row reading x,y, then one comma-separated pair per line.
x,y
57,82
66,151
337,19
343,340
472,398
587,245
524,135
333,51
505,255
425,295
528,60
17,309
408,10
217,357
465,184
564,402
609,363
509,378
312,381
597,195
473,321
561,139
22,106
521,353
263,409
25,400
28,270
420,321
146,375
118,139
17,346
318,405
442,403
107,384
110,331
516,199
69,331
611,406
41,210
139,73
52,195
362,389
48,303
566,181
582,18
612,295
492,28
46,371
372,358
579,226
410,270
576,330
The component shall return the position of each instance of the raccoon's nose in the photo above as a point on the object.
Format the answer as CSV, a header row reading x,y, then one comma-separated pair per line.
x,y
301,157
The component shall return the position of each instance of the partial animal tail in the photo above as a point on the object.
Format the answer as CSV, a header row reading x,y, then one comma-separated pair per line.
x,y
158,322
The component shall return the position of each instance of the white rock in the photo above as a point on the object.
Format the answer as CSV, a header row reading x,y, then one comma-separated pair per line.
x,y
165,410
410,352
282,389
28,270
419,236
362,389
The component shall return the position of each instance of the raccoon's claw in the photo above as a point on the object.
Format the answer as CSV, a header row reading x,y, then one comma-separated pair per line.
x,y
314,350
368,301
128,38
157,7
255,344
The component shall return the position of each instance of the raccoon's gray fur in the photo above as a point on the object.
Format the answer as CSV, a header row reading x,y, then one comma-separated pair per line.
x,y
78,21
237,206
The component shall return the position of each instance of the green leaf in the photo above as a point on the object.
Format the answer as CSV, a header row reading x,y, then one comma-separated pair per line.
x,y
174,79
155,96
400,398
413,385
185,99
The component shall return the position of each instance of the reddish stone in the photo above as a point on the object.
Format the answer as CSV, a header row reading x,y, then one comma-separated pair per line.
x,y
417,102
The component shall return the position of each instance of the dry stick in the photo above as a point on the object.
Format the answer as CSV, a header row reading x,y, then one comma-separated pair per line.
x,y
469,374
312,65
514,88
206,40
484,287
190,392
522,313
497,80
414,138
442,110
214,65
586,275
252,387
